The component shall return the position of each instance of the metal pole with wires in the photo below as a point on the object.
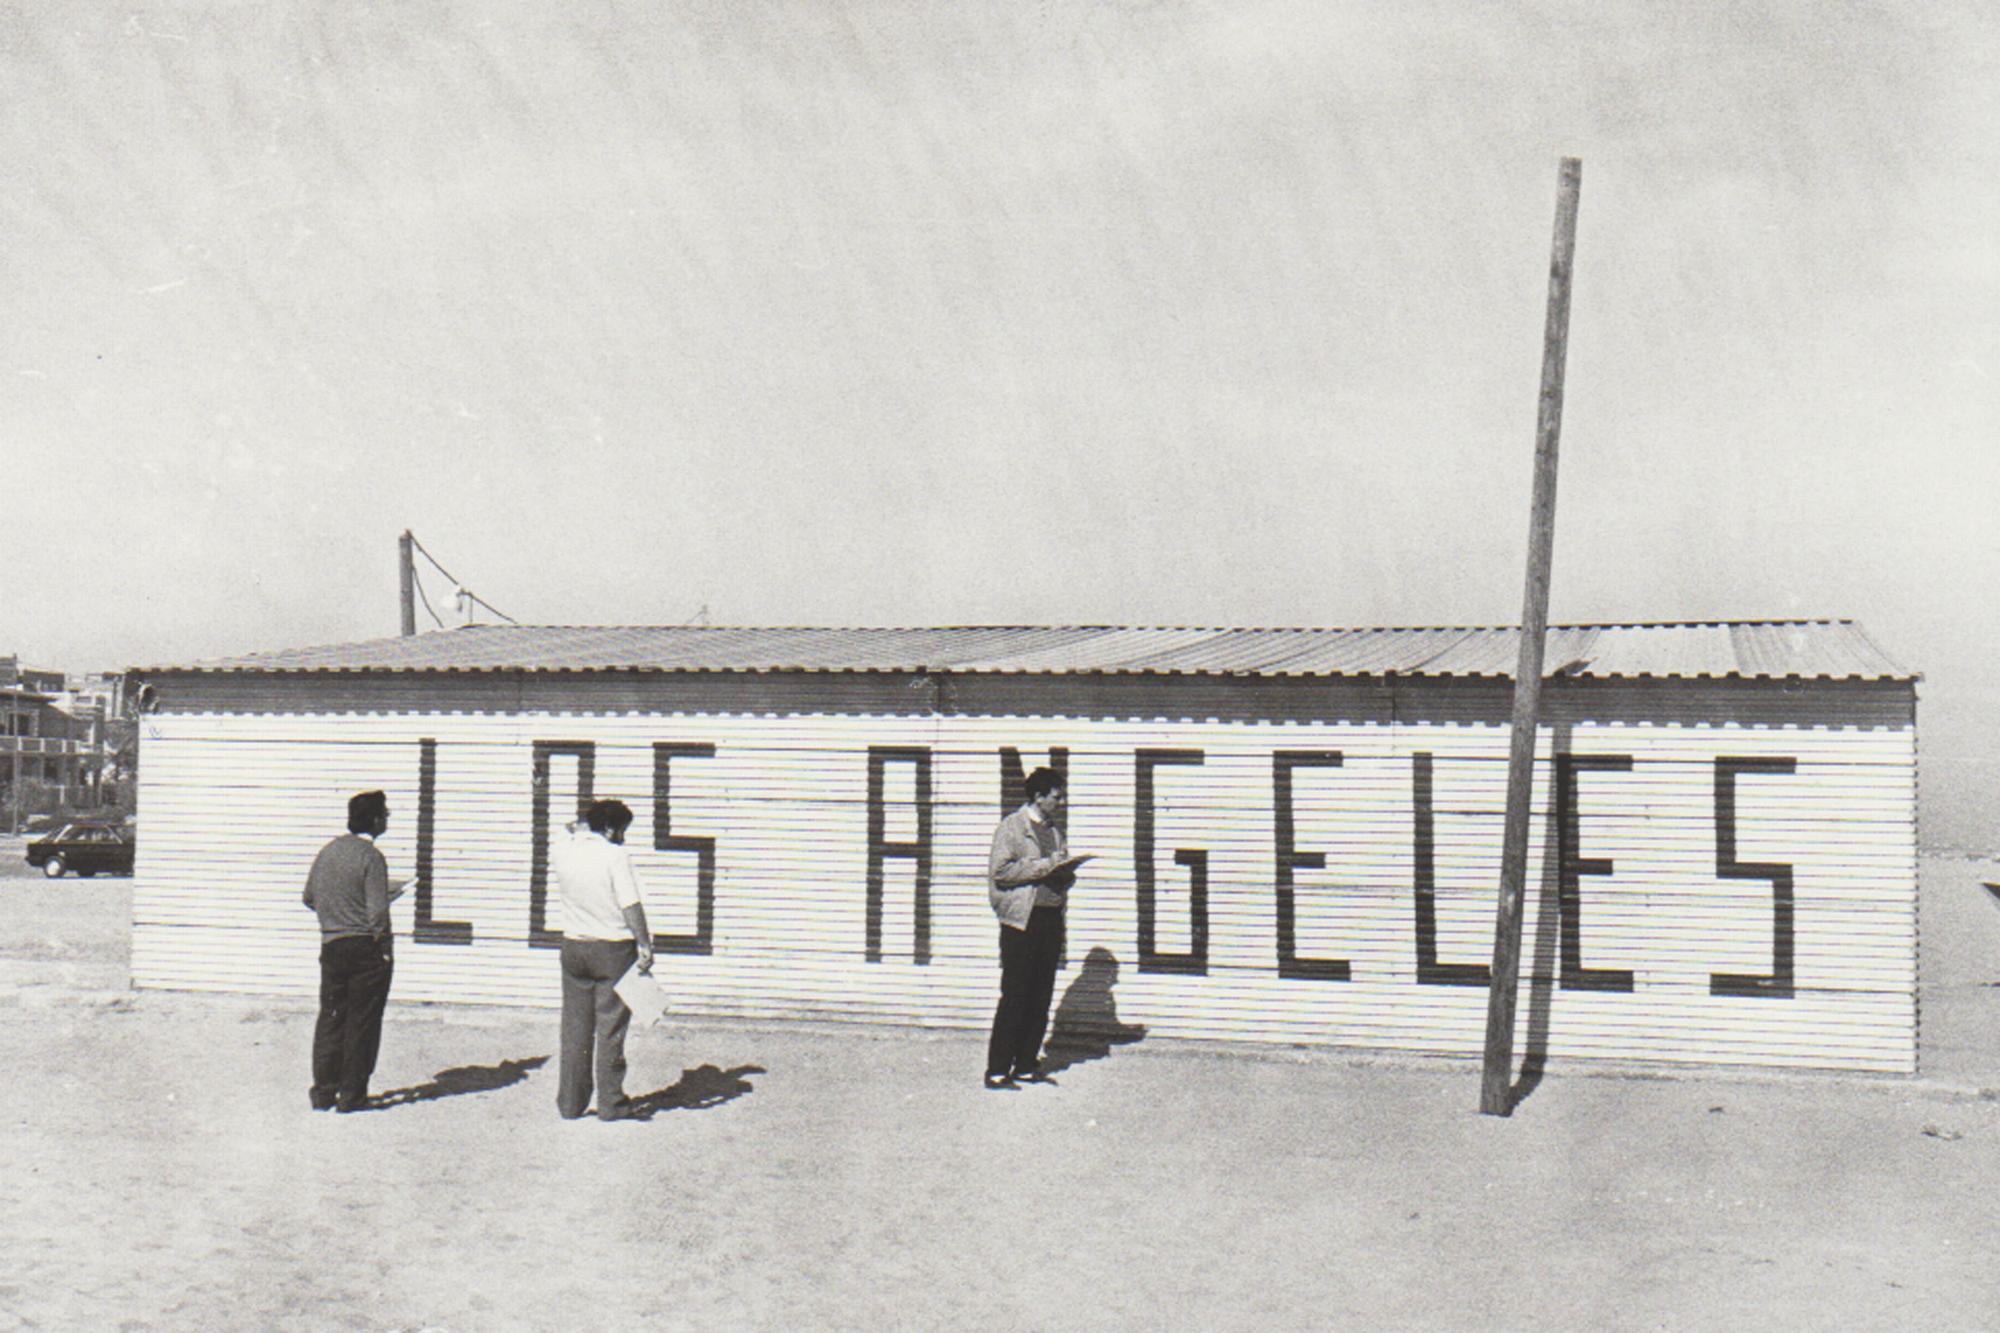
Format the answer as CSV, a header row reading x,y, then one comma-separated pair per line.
x,y
408,566
466,597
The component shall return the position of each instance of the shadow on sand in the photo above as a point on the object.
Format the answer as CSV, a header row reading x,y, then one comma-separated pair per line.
x,y
1546,967
698,1089
458,1082
1086,1024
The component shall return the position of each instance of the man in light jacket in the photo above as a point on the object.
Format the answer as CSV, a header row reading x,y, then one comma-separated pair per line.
x,y
1029,873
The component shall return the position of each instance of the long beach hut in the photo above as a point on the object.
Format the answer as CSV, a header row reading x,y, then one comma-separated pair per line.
x,y
1297,831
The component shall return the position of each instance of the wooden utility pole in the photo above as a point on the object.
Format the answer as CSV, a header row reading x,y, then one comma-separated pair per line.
x,y
409,571
1496,1087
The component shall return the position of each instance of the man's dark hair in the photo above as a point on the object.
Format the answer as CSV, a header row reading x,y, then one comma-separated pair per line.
x,y
365,810
608,816
1043,781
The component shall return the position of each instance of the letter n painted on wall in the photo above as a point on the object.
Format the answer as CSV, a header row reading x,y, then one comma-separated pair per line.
x,y
1014,781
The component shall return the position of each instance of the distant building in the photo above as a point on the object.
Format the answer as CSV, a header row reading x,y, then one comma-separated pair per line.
x,y
60,745
14,676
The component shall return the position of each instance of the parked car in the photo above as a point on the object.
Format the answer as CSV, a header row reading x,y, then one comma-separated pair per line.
x,y
88,847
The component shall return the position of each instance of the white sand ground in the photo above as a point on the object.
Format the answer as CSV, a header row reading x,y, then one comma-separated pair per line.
x,y
159,1168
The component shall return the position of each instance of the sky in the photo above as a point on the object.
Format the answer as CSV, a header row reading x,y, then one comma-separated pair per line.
x,y
1024,313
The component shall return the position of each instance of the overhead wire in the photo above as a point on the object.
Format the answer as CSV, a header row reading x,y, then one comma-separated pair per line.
x,y
424,597
464,592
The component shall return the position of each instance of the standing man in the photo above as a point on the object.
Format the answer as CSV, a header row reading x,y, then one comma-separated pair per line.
x,y
349,888
1030,872
604,932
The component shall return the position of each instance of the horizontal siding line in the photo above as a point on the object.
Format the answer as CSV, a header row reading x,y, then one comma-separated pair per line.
x,y
1222,970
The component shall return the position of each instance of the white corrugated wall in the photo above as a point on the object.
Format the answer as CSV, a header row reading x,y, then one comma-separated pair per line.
x,y
233,807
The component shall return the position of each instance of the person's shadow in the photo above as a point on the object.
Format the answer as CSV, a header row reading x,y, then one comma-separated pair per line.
x,y
459,1082
697,1089
1086,1024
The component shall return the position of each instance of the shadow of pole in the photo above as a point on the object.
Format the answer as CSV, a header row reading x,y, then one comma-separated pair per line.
x,y
1544,972
1086,1024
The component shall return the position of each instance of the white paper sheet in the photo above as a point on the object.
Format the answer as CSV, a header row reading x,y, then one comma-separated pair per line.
x,y
642,995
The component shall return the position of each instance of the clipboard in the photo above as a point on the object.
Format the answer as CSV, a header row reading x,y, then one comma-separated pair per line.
x,y
645,997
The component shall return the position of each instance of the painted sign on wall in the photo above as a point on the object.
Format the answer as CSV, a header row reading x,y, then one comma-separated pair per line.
x,y
1695,893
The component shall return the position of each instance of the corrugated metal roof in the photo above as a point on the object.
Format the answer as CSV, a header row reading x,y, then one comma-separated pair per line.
x,y
1768,649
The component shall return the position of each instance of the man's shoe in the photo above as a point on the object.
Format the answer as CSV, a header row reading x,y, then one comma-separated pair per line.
x,y
347,1108
1033,1076
1001,1083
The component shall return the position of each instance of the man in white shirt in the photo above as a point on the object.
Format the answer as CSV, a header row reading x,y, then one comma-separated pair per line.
x,y
604,932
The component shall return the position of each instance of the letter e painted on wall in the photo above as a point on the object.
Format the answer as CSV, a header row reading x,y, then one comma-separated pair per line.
x,y
1290,860
1575,976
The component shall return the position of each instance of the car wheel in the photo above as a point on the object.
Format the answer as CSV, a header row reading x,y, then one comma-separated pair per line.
x,y
53,867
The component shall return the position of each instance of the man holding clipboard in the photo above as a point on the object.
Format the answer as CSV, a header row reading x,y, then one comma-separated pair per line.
x,y
1029,873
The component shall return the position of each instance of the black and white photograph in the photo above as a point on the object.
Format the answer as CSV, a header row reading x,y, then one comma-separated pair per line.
x,y
1018,665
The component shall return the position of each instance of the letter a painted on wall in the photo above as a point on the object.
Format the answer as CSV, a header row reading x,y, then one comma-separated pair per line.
x,y
881,849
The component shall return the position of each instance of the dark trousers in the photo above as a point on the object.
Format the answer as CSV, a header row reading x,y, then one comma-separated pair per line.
x,y
354,974
1028,961
594,1020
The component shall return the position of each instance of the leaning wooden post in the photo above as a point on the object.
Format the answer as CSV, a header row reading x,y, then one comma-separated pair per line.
x,y
1496,1087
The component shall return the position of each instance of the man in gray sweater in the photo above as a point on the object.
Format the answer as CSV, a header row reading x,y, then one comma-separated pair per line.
x,y
349,887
